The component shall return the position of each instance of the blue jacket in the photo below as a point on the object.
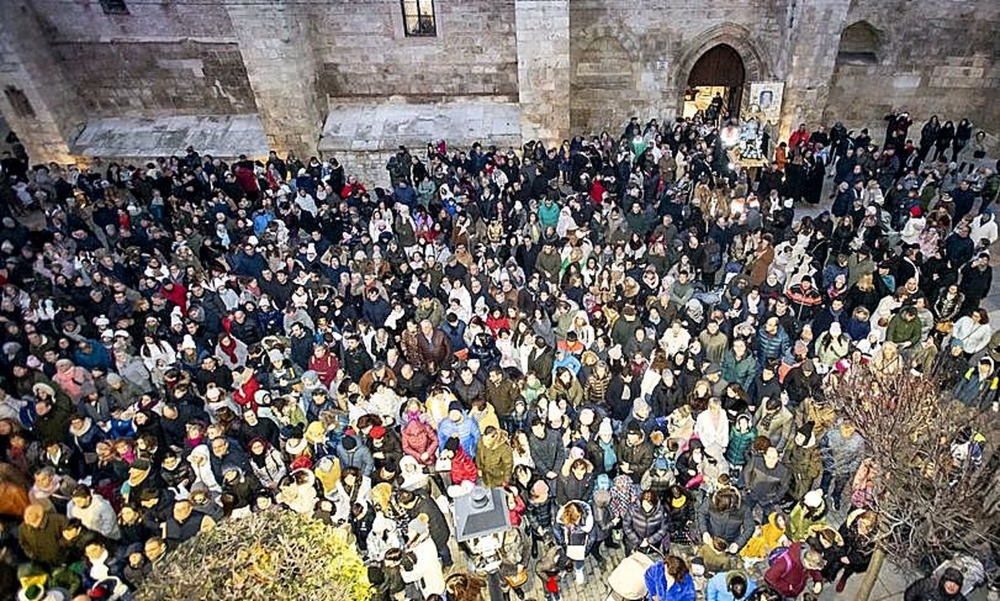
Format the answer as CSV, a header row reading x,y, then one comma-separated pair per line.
x,y
656,584
359,457
717,589
467,432
98,357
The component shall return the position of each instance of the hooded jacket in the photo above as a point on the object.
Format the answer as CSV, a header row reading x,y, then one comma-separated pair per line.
x,y
418,437
360,456
717,588
927,589
734,525
788,575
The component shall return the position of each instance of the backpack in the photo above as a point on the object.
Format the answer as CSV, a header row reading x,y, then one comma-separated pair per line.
x,y
779,554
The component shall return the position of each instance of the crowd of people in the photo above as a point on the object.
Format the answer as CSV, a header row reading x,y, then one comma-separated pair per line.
x,y
628,335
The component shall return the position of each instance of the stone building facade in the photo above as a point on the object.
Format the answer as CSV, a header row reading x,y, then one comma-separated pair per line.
x,y
313,76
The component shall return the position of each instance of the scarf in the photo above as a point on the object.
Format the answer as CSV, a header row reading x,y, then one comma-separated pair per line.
x,y
229,349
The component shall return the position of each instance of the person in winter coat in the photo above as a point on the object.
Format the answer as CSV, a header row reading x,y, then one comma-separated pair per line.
x,y
635,454
647,526
539,513
266,463
575,481
94,512
946,588
790,572
741,436
978,386
419,438
546,448
774,420
420,563
739,365
40,535
858,533
353,453
766,538
766,479
419,504
670,580
809,512
804,461
734,585
842,449
495,458
460,426
724,515
576,532
463,467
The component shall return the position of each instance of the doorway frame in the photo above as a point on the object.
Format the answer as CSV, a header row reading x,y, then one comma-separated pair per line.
x,y
731,34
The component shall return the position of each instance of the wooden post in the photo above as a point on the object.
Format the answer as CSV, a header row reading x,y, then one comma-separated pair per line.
x,y
871,576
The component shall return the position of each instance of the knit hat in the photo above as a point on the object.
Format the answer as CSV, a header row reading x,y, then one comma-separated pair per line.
x,y
813,498
302,462
275,356
377,432
605,428
454,406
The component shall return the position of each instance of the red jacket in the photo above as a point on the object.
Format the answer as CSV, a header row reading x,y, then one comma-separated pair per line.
x,y
244,396
798,137
419,438
788,576
463,468
326,368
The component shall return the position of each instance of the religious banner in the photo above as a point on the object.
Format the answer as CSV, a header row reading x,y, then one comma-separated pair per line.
x,y
765,101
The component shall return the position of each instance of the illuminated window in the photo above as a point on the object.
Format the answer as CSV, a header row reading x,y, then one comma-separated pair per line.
x,y
418,18
114,7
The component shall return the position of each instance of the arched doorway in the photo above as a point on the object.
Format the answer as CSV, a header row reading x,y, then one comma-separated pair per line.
x,y
718,72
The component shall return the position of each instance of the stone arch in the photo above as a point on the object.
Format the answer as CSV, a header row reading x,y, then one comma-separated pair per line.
x,y
590,34
604,68
730,34
861,43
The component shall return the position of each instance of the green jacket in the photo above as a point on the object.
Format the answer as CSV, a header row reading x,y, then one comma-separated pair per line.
x,y
42,544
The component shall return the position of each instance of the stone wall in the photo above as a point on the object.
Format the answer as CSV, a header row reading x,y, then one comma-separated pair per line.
x,y
949,66
361,50
38,100
573,66
634,59
157,78
543,42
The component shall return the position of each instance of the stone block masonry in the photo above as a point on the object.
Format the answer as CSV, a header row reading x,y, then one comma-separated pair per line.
x,y
543,73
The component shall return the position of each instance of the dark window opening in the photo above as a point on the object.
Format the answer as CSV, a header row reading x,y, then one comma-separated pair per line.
x,y
418,18
19,102
114,7
860,44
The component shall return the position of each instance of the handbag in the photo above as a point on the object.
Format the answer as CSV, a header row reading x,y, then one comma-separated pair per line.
x,y
518,578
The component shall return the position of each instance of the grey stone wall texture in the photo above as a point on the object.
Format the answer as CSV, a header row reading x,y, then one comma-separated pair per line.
x,y
572,66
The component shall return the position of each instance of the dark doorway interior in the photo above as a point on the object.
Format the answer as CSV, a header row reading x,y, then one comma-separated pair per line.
x,y
720,70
